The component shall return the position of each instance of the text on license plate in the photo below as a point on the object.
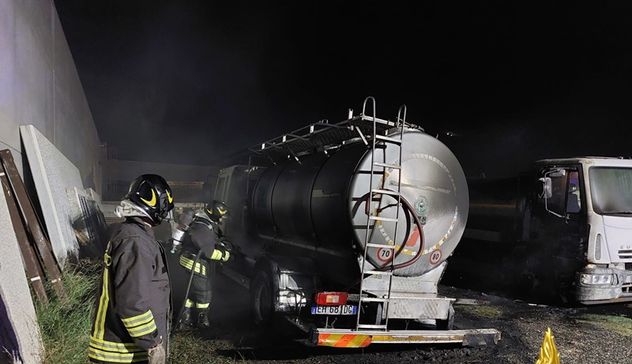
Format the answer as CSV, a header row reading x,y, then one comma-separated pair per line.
x,y
335,310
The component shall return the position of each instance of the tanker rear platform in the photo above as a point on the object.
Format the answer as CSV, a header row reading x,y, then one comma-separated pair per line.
x,y
580,334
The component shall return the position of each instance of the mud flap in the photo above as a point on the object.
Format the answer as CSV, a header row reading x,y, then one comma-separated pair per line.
x,y
478,339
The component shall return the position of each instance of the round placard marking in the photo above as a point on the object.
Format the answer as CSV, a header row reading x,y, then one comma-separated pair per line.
x,y
435,256
384,255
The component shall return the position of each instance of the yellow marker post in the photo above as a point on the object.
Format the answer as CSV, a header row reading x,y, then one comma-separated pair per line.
x,y
548,351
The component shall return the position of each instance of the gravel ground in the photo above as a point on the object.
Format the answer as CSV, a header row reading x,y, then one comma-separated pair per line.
x,y
601,334
597,334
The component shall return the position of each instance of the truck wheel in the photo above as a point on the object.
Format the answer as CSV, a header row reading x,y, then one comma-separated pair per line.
x,y
261,299
378,314
448,323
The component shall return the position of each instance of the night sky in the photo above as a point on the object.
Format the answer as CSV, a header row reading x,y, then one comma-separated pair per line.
x,y
193,81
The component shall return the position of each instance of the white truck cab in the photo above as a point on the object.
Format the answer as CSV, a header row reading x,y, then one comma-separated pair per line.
x,y
560,231
604,187
607,276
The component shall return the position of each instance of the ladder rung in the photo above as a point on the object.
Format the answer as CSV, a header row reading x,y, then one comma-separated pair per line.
x,y
379,218
393,166
385,192
374,299
386,273
383,246
365,326
388,139
377,120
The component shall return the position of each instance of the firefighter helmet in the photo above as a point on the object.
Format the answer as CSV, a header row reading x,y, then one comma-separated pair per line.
x,y
153,195
216,210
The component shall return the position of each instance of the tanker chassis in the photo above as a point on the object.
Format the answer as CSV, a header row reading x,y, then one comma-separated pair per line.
x,y
562,231
343,229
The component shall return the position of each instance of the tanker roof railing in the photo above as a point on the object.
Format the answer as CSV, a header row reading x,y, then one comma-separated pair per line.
x,y
324,135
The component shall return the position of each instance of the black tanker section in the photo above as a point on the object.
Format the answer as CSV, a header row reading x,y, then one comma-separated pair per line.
x,y
512,246
304,206
307,202
498,206
496,235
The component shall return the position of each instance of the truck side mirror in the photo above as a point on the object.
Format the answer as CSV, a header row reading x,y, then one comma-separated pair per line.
x,y
547,190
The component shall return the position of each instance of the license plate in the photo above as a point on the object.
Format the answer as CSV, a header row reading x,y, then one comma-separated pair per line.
x,y
335,310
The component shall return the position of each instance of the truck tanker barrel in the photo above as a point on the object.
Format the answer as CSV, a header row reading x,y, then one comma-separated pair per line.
x,y
497,205
320,202
344,229
499,218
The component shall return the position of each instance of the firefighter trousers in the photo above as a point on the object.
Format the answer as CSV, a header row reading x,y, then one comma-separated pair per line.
x,y
200,294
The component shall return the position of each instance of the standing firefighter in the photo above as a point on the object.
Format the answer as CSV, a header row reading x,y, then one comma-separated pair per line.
x,y
202,241
134,303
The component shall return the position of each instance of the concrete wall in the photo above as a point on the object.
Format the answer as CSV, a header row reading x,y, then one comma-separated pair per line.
x,y
39,85
190,183
19,332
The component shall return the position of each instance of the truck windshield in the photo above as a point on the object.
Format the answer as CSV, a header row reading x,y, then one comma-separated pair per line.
x,y
611,190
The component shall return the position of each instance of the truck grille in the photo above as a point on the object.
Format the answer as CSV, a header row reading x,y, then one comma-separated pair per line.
x,y
625,254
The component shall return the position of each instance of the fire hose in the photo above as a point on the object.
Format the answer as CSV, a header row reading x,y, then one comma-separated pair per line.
x,y
186,294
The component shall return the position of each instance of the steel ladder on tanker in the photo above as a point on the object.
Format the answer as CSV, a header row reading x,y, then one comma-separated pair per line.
x,y
374,219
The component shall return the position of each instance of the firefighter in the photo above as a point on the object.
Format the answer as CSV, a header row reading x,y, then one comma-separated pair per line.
x,y
203,236
131,324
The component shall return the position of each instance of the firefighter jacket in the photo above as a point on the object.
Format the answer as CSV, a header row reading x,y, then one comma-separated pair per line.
x,y
134,302
201,237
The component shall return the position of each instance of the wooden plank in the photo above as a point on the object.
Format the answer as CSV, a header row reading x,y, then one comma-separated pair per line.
x,y
31,263
43,245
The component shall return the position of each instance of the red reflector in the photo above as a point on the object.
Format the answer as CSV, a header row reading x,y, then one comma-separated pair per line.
x,y
331,298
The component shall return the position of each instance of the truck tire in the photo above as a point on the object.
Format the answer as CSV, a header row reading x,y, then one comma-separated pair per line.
x,y
448,323
261,299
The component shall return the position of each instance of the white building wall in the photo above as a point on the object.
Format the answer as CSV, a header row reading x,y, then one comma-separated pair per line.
x,y
39,85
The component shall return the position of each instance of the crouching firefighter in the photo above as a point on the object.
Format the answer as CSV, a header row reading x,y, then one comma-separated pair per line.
x,y
202,243
134,303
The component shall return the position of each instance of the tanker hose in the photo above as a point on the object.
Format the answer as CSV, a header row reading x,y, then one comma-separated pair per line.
x,y
186,294
403,244
408,210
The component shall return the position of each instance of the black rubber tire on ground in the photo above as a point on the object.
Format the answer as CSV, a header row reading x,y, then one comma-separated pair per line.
x,y
378,314
261,299
562,292
448,323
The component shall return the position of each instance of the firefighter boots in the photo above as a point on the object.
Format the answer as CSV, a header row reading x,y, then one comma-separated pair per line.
x,y
202,319
186,320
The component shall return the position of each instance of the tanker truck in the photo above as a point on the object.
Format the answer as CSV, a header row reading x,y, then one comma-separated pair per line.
x,y
560,232
343,229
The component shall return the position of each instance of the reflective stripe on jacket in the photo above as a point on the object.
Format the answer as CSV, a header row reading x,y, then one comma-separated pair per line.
x,y
188,259
133,305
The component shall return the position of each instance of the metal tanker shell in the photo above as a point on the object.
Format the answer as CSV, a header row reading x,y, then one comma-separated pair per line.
x,y
318,205
433,184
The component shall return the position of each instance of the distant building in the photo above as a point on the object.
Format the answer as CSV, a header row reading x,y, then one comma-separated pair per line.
x,y
190,183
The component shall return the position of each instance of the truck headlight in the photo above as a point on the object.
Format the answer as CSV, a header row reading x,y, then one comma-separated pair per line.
x,y
597,279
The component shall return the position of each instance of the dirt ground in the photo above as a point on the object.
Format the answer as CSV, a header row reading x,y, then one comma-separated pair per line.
x,y
601,334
